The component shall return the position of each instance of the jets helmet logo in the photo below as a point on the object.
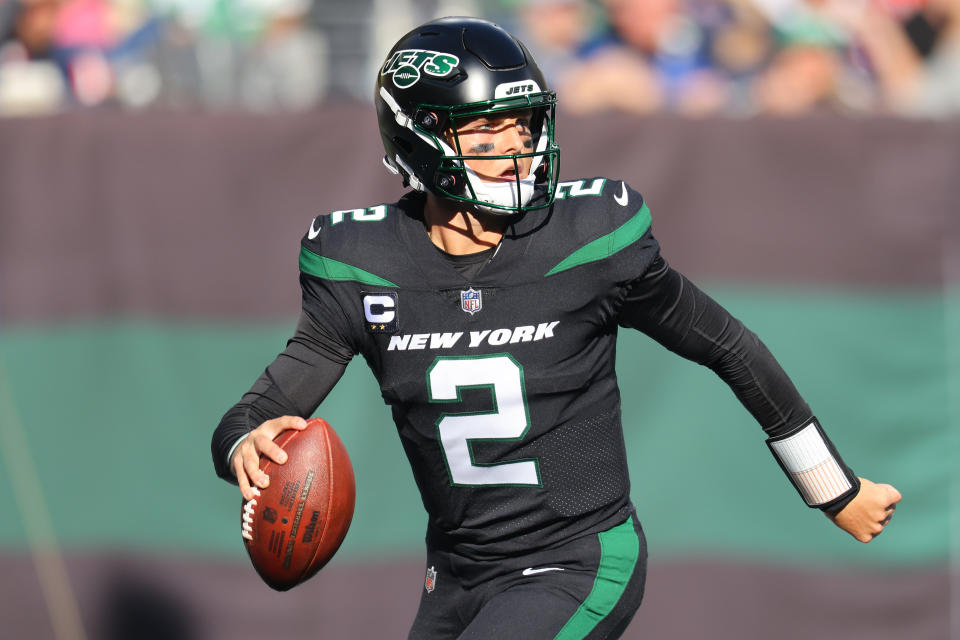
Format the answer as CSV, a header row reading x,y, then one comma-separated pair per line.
x,y
405,66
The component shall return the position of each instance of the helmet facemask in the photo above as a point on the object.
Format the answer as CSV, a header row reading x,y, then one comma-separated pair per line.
x,y
530,189
454,179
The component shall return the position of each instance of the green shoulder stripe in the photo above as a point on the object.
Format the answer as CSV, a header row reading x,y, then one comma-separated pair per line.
x,y
330,269
605,246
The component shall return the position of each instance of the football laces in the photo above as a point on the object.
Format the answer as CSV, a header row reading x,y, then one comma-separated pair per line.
x,y
246,529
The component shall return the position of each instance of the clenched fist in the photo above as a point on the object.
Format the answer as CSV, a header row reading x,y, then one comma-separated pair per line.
x,y
865,516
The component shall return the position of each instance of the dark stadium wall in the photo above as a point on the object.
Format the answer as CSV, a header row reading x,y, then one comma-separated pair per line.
x,y
148,273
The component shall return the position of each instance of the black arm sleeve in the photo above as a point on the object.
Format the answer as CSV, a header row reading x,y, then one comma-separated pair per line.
x,y
673,311
294,384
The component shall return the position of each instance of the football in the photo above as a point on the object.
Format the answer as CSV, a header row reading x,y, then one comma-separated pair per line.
x,y
296,524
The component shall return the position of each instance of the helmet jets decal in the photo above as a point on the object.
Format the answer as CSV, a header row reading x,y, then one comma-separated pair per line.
x,y
436,83
508,89
405,65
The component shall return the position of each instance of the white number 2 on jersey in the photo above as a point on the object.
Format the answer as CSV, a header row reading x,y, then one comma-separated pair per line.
x,y
508,420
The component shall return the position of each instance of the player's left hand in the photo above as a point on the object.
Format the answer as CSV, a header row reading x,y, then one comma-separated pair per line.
x,y
865,516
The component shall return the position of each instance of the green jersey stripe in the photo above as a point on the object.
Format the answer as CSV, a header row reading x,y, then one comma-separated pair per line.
x,y
330,269
619,551
605,246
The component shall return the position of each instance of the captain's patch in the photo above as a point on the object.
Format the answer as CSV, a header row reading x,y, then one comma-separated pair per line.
x,y
380,311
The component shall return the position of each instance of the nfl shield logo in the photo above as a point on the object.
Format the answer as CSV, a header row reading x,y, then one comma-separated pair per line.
x,y
431,582
471,301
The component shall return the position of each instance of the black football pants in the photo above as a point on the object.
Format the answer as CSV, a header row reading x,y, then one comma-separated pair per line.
x,y
587,588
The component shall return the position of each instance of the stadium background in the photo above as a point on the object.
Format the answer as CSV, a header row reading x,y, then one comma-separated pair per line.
x,y
148,269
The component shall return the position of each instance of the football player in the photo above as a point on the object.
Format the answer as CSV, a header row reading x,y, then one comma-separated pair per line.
x,y
487,302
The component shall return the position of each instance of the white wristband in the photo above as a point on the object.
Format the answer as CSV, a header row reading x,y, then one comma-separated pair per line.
x,y
809,462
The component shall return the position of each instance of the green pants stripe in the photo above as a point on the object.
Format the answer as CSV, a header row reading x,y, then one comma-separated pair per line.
x,y
619,551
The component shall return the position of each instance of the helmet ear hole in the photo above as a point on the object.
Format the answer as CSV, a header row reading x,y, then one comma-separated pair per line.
x,y
427,119
446,182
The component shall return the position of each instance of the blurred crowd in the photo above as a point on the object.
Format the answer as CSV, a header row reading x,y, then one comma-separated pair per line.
x,y
695,57
254,54
744,57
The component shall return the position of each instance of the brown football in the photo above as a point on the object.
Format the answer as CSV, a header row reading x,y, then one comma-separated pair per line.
x,y
293,528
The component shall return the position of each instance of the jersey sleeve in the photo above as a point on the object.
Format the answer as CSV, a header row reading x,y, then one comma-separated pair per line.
x,y
673,311
295,383
301,376
670,309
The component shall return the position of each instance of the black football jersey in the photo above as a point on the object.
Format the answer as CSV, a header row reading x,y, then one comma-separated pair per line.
x,y
499,368
502,386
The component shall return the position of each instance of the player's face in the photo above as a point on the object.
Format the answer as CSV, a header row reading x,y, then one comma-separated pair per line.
x,y
500,134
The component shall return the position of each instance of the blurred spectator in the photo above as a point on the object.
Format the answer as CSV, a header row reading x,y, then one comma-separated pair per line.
x,y
653,56
915,52
285,68
94,41
817,64
30,81
742,45
556,32
257,54
800,78
869,56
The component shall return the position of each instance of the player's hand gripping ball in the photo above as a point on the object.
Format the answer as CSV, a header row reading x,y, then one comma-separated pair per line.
x,y
294,526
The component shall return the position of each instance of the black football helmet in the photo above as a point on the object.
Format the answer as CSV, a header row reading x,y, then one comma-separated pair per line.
x,y
455,68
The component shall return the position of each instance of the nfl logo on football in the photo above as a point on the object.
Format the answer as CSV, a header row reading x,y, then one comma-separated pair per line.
x,y
431,582
471,301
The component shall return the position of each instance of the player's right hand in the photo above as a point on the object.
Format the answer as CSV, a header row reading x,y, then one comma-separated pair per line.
x,y
245,462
